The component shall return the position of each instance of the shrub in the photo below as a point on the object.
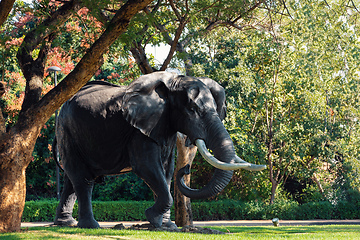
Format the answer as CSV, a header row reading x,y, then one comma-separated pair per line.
x,y
283,209
124,210
315,210
347,210
217,210
39,211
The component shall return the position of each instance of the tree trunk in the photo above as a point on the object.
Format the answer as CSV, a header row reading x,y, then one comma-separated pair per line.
x,y
273,177
185,155
15,152
12,197
318,183
273,192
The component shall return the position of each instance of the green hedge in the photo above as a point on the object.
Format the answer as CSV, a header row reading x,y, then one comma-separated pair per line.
x,y
35,211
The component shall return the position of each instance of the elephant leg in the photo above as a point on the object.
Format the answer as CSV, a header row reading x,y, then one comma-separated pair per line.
x,y
146,163
169,172
65,208
163,202
153,174
83,189
167,221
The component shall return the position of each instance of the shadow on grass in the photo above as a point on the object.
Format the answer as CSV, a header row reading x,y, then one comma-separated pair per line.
x,y
62,233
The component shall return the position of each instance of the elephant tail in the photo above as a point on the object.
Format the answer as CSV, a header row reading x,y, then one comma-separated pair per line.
x,y
56,154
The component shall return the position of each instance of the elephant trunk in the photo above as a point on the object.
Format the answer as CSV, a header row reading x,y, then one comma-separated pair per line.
x,y
219,141
217,183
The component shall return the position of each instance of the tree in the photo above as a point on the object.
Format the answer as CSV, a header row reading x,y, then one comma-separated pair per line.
x,y
17,142
288,95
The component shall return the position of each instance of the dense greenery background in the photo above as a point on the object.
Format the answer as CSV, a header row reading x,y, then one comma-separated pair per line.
x,y
292,96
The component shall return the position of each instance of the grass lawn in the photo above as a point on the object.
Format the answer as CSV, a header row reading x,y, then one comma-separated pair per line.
x,y
283,232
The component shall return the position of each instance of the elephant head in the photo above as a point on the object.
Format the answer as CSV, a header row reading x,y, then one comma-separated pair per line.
x,y
162,103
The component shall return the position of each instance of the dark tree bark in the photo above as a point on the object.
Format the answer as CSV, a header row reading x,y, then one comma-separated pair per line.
x,y
5,8
17,144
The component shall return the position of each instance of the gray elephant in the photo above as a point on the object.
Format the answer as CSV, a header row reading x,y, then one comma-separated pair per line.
x,y
107,129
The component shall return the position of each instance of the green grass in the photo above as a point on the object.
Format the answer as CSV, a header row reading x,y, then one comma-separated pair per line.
x,y
283,232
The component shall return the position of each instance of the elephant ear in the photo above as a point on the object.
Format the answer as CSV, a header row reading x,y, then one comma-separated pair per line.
x,y
218,93
145,105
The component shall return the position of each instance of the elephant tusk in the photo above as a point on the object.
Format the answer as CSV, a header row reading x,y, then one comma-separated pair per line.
x,y
215,162
252,167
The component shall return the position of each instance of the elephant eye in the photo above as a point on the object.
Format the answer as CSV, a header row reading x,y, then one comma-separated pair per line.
x,y
194,107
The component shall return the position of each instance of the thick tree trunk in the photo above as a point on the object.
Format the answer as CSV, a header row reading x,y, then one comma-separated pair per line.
x,y
12,197
15,152
185,155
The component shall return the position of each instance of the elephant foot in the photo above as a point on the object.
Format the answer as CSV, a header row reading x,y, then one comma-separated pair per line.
x,y
169,225
153,217
88,223
65,221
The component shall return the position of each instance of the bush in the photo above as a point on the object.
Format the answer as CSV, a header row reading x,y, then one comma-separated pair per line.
x,y
315,210
216,210
44,210
347,210
124,210
282,209
39,211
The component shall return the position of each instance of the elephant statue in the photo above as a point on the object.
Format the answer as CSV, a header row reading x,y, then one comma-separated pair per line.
x,y
107,129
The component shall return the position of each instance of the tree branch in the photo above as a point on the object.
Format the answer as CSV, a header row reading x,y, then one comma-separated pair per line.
x,y
173,7
33,70
138,51
174,43
352,2
139,54
250,10
5,9
87,66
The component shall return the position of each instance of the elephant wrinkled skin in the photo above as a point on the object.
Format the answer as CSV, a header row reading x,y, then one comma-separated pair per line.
x,y
108,129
